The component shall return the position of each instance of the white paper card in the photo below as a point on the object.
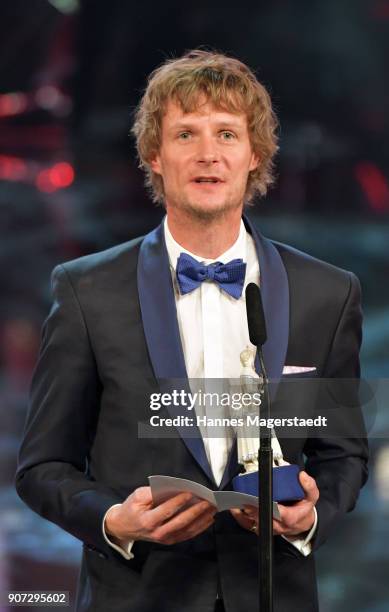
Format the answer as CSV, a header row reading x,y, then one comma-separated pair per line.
x,y
165,487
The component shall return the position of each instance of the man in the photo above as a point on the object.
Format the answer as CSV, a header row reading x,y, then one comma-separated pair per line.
x,y
139,313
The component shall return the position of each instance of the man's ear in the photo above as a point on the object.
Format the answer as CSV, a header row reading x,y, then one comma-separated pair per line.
x,y
255,159
155,163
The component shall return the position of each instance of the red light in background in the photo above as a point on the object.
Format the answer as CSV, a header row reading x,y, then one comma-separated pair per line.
x,y
43,182
62,175
12,168
48,180
59,176
12,104
374,185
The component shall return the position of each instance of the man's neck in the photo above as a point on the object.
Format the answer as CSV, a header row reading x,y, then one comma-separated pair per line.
x,y
207,238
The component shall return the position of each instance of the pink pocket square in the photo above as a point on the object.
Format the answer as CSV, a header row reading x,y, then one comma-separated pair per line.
x,y
289,369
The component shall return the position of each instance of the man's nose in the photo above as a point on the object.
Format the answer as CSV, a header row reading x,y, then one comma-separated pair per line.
x,y
208,151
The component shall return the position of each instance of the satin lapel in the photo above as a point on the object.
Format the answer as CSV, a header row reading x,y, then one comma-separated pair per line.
x,y
232,468
159,316
275,297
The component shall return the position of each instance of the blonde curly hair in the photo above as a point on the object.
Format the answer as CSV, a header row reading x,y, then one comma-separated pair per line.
x,y
225,82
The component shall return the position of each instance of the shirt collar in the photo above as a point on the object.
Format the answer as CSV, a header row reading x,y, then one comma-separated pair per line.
x,y
236,251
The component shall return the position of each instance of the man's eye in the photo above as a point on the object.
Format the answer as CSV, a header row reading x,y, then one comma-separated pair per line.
x,y
228,135
184,135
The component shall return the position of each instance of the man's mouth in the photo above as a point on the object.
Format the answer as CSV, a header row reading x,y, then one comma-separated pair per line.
x,y
207,179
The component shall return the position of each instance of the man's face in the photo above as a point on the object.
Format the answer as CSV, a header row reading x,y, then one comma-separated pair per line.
x,y
204,160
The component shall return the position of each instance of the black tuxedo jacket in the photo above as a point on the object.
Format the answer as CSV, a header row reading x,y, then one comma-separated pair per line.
x,y
111,334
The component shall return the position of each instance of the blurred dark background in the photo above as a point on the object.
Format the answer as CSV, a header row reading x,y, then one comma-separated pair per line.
x,y
71,74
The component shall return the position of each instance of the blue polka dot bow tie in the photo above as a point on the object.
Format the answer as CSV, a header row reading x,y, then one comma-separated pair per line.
x,y
191,273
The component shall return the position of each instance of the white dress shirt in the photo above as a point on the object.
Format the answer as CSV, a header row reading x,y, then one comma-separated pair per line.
x,y
213,331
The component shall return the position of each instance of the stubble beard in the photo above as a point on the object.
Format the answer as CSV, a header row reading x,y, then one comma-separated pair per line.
x,y
200,213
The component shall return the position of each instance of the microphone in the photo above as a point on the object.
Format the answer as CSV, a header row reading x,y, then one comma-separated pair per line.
x,y
258,336
255,315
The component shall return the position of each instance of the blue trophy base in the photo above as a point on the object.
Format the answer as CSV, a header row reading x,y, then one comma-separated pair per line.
x,y
286,484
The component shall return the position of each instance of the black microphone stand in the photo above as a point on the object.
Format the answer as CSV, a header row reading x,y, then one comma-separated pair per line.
x,y
257,332
265,485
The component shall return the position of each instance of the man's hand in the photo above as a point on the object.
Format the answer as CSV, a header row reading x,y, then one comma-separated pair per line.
x,y
295,519
171,522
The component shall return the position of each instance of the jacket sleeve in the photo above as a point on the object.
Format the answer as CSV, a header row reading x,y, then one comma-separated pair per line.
x,y
52,475
338,460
